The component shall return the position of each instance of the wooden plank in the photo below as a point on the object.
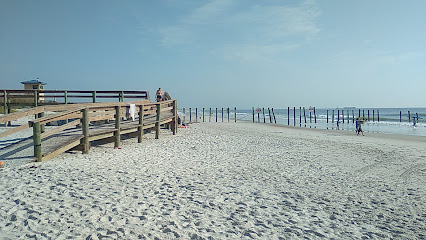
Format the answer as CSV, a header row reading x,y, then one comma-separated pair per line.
x,y
14,130
62,149
101,136
60,128
17,115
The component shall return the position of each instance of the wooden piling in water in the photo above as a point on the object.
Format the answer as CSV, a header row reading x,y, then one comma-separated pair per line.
x,y
409,117
235,112
270,117
273,113
263,112
304,115
378,116
288,115
315,115
203,114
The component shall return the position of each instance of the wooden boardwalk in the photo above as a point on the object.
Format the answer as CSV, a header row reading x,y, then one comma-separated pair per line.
x,y
86,123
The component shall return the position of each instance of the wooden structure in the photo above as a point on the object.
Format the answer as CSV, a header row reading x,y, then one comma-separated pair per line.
x,y
34,98
88,122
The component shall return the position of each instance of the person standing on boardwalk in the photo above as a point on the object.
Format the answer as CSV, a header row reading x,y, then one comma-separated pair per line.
x,y
159,95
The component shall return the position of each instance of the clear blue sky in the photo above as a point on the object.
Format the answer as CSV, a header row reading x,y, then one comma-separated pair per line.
x,y
222,53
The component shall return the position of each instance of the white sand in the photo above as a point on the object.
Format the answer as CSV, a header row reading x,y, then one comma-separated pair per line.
x,y
224,181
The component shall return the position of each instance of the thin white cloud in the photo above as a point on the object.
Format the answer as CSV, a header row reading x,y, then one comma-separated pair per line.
x,y
264,30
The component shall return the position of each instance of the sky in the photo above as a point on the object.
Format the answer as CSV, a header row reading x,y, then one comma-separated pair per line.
x,y
222,53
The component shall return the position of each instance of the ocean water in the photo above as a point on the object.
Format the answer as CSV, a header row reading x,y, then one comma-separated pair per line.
x,y
379,120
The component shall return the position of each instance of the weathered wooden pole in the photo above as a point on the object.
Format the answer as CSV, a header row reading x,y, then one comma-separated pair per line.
x,y
400,116
66,97
288,116
263,112
300,116
348,115
409,117
315,115
122,96
270,116
5,105
210,115
85,128
157,121
253,113
227,111
196,114
140,127
294,116
176,117
184,115
368,115
353,116
273,113
327,115
117,126
37,141
235,113
216,114
363,115
378,115
343,116
310,116
338,115
332,117
373,115
94,96
190,115
203,114
222,114
359,113
304,115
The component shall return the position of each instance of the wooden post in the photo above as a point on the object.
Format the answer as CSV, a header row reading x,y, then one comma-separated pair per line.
x,y
66,97
176,117
378,115
348,116
338,115
315,116
190,115
300,116
373,115
227,110
304,115
222,114
359,113
117,126
400,116
332,117
140,128
327,115
122,96
294,116
210,115
270,117
409,117
235,113
5,107
273,113
288,116
353,116
263,112
203,114
363,115
157,121
343,116
196,114
368,115
184,115
42,127
216,114
253,113
85,128
37,141
94,96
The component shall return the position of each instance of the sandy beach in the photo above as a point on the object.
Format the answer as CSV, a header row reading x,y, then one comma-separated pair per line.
x,y
224,181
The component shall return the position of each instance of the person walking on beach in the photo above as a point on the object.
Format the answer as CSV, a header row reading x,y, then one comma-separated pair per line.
x,y
358,127
159,95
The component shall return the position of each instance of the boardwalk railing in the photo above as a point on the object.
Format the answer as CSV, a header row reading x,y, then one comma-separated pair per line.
x,y
34,98
85,123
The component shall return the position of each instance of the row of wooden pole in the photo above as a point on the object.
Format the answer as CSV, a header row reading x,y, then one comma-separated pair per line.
x,y
228,111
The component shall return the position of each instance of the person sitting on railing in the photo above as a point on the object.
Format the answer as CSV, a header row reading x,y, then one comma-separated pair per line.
x,y
159,95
